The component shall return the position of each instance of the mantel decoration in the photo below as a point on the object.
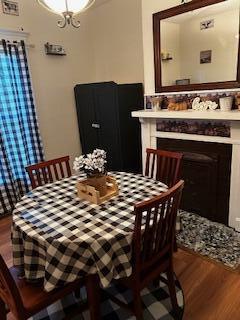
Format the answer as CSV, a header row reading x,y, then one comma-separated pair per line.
x,y
199,105
98,187
67,9
156,103
201,101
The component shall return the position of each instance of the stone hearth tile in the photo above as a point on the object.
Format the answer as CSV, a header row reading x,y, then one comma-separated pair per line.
x,y
210,239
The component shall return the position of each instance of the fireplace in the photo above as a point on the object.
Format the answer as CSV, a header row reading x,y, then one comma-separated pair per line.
x,y
206,170
210,141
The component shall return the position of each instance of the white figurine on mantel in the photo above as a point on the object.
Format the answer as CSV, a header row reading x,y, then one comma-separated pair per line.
x,y
199,105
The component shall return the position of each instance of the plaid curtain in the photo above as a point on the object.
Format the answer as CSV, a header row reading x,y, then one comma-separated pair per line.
x,y
20,142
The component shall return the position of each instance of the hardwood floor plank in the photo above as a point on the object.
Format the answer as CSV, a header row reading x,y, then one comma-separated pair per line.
x,y
211,291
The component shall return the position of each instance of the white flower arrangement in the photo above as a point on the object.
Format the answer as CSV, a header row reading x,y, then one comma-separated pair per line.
x,y
92,163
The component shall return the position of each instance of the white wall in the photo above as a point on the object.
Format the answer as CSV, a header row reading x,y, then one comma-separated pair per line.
x,y
54,77
107,46
221,39
148,8
170,43
116,39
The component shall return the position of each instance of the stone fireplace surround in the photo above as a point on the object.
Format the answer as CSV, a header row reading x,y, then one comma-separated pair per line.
x,y
149,118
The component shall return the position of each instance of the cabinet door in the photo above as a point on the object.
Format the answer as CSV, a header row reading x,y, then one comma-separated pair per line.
x,y
107,116
130,98
85,103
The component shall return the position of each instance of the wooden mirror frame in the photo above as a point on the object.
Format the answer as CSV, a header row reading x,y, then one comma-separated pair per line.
x,y
182,8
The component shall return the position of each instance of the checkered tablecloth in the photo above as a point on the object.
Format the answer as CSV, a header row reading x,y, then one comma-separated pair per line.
x,y
58,237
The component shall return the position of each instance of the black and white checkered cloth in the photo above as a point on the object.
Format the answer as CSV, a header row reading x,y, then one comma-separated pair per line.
x,y
20,141
156,304
58,237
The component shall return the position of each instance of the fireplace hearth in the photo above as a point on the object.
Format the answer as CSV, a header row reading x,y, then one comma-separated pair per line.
x,y
206,170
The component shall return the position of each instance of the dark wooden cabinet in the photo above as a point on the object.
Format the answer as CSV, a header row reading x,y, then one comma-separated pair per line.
x,y
104,119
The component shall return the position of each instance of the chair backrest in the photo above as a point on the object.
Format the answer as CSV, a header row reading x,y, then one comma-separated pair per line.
x,y
163,166
155,224
49,171
9,292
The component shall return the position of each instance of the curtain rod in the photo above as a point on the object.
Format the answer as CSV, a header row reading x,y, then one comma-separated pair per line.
x,y
18,43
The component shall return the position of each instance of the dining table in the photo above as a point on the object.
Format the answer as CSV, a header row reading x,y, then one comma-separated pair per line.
x,y
58,237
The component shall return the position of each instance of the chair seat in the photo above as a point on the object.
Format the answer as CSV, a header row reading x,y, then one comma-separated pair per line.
x,y
35,298
147,274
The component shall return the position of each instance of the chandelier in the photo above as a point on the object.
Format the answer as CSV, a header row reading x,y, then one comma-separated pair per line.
x,y
67,9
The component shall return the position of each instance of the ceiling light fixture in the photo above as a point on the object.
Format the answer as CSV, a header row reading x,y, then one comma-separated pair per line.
x,y
67,9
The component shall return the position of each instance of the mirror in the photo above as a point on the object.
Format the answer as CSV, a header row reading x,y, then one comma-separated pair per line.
x,y
196,46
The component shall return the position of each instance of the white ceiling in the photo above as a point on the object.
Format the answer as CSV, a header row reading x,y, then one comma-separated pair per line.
x,y
100,2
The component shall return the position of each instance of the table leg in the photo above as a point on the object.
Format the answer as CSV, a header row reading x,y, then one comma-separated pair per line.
x,y
93,296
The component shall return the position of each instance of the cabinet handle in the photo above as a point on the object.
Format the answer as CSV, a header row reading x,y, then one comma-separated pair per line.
x,y
95,125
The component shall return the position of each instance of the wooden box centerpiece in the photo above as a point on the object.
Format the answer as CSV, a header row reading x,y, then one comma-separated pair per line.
x,y
98,187
94,194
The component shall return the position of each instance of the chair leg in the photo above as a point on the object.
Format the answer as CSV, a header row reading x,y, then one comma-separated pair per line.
x,y
156,282
137,304
93,296
77,293
172,289
175,247
3,311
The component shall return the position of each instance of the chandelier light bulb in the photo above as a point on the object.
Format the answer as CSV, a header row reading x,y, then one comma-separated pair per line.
x,y
67,9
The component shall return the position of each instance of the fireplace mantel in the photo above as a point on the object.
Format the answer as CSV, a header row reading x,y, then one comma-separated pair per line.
x,y
189,114
148,120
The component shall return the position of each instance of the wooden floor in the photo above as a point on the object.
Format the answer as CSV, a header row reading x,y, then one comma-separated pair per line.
x,y
211,292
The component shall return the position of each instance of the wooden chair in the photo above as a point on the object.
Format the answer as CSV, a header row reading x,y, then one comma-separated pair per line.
x,y
49,171
163,166
153,241
24,299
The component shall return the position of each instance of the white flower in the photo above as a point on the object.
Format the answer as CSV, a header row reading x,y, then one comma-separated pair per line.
x,y
98,153
92,162
78,163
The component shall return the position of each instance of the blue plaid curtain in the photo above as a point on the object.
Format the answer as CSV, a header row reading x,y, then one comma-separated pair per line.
x,y
20,143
